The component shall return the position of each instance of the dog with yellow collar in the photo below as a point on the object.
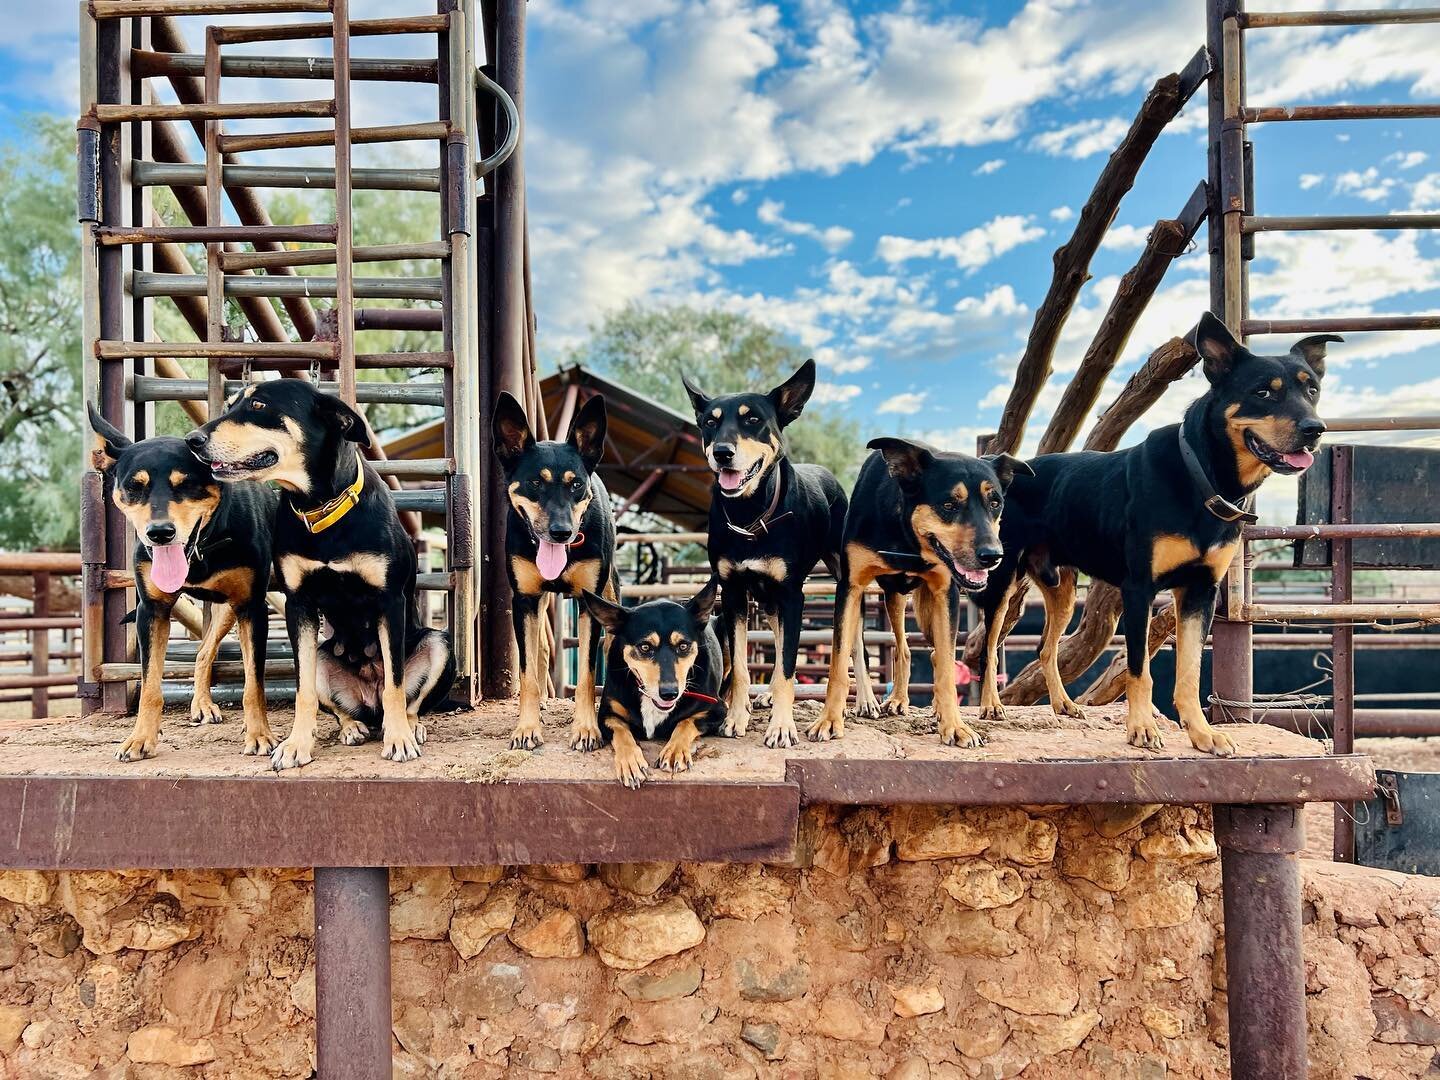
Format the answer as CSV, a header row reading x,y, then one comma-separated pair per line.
x,y
341,554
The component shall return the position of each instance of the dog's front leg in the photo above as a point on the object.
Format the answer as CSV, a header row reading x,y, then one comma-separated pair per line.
x,y
939,614
399,735
526,616
1140,726
254,629
897,702
734,612
679,752
990,707
1194,608
831,724
585,729
631,768
1059,606
781,731
152,631
203,709
302,620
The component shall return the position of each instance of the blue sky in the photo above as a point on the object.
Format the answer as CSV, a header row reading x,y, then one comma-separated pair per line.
x,y
886,182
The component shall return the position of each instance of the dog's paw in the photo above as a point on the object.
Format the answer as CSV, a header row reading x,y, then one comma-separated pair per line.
x,y
893,706
400,743
1210,740
292,753
993,714
526,736
258,742
1066,707
781,734
737,723
1144,732
418,727
138,747
869,710
352,732
585,736
826,728
958,733
675,758
205,711
630,767
765,700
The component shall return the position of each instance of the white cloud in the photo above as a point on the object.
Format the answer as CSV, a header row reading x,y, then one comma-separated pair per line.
x,y
1062,213
1310,179
1408,159
1125,237
1367,184
829,393
1082,138
739,196
832,238
985,168
970,250
903,403
1426,192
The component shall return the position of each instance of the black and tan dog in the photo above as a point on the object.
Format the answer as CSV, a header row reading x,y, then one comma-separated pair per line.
x,y
342,555
197,538
662,680
771,521
1164,514
925,521
559,538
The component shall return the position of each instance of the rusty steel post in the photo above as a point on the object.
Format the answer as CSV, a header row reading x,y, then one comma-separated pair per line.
x,y
1264,965
40,646
352,973
1342,636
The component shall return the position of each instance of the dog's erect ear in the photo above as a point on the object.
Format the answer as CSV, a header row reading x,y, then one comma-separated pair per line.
x,y
587,432
1217,347
1006,467
905,460
343,420
611,616
110,441
702,603
789,397
698,398
1312,351
510,429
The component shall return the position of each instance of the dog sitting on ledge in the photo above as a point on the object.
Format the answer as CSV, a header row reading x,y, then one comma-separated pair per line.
x,y
1164,514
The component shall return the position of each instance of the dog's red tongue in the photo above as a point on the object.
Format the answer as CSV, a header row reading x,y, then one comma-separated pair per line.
x,y
169,567
730,479
1299,459
550,560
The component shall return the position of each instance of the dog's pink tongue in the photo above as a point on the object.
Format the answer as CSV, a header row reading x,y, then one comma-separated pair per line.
x,y
551,560
169,567
730,479
1299,459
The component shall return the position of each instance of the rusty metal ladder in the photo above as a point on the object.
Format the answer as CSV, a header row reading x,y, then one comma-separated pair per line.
x,y
128,146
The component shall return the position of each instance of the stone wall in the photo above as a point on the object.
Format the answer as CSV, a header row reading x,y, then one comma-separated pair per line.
x,y
911,943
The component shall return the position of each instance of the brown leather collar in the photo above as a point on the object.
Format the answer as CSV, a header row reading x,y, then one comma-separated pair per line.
x,y
1216,503
762,525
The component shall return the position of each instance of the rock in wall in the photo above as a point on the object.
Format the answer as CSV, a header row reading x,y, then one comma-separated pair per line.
x,y
912,943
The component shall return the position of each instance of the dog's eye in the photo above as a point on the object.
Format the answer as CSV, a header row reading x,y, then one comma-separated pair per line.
x,y
1265,392
256,405
950,507
577,485
753,421
711,422
994,502
1312,392
644,648
535,483
683,649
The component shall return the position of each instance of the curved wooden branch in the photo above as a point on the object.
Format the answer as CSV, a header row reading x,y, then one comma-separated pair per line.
x,y
1111,683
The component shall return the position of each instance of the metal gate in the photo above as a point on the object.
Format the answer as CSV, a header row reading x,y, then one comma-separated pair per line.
x,y
131,143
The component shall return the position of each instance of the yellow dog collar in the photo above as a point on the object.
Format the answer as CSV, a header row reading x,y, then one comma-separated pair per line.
x,y
321,518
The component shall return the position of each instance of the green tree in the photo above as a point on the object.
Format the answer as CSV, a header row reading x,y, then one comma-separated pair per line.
x,y
648,349
39,338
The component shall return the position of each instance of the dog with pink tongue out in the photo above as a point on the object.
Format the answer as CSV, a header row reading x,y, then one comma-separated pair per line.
x,y
559,538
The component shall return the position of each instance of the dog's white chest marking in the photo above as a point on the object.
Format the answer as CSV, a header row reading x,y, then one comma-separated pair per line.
x,y
772,567
652,716
370,568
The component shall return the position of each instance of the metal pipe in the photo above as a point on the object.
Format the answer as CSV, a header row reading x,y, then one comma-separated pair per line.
x,y
144,283
402,319
200,234
1281,113
1383,423
1336,222
363,361
1260,879
289,140
1342,637
148,64
237,110
264,260
352,973
412,24
121,9
1253,327
1260,20
1368,723
148,388
167,174
1336,530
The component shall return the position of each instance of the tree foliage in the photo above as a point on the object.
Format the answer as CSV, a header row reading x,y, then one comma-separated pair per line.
x,y
39,338
648,349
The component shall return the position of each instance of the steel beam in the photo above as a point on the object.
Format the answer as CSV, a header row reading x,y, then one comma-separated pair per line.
x,y
352,973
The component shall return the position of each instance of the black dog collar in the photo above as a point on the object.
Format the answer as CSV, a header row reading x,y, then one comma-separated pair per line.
x,y
762,525
1216,503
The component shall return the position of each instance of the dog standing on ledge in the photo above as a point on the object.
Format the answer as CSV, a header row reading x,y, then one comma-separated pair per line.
x,y
770,522
1164,514
341,554
559,538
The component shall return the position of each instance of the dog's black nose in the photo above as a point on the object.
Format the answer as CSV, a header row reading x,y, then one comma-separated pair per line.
x,y
162,532
989,557
1312,428
560,533
196,440
724,453
669,694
